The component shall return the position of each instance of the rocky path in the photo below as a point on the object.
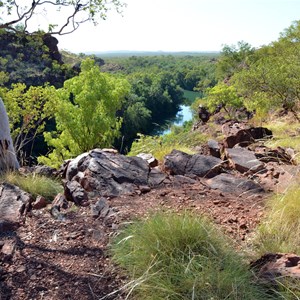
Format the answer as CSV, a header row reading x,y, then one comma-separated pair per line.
x,y
55,259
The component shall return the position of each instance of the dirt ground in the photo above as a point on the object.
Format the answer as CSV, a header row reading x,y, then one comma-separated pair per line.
x,y
53,259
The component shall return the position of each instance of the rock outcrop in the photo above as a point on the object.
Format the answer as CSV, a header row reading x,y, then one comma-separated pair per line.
x,y
273,267
14,203
231,184
180,163
105,173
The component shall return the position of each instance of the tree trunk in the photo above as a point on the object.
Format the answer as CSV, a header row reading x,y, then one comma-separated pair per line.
x,y
8,159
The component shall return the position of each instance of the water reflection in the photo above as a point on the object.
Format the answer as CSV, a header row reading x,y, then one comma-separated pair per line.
x,y
184,114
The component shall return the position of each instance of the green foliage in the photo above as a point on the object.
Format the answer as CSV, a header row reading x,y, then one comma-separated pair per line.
x,y
271,80
154,97
35,184
28,111
280,229
233,58
157,146
86,113
18,16
225,95
171,256
190,71
27,59
180,138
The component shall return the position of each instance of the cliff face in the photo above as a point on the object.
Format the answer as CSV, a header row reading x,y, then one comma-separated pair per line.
x,y
32,59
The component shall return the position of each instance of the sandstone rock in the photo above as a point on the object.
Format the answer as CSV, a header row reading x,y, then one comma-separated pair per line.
x,y
107,174
144,189
275,266
214,148
180,163
230,184
14,202
8,249
60,202
100,207
245,137
39,203
279,155
243,160
180,179
156,177
44,171
74,192
231,127
277,177
152,161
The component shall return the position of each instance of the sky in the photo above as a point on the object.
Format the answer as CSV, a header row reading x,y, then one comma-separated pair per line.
x,y
185,25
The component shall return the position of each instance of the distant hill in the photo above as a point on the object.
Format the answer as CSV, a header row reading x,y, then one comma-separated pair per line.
x,y
128,53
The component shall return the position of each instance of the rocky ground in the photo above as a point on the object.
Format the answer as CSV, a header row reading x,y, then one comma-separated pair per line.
x,y
47,258
63,253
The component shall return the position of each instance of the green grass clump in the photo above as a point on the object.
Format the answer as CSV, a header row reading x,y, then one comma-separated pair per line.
x,y
170,256
34,184
280,229
280,232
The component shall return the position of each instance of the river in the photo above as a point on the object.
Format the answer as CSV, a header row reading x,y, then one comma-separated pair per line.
x,y
184,113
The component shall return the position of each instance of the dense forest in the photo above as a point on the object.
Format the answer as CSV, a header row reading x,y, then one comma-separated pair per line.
x,y
152,91
61,104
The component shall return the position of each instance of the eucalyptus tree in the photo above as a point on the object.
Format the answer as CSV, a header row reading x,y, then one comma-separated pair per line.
x,y
20,15
8,159
272,79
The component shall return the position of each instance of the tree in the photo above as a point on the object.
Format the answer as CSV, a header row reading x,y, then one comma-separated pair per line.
x,y
86,113
8,160
272,80
21,13
28,111
224,96
233,58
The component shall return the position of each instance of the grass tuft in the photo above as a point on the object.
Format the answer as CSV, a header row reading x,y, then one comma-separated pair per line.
x,y
170,256
280,229
34,184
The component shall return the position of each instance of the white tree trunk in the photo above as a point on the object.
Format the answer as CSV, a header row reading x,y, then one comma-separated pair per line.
x,y
8,159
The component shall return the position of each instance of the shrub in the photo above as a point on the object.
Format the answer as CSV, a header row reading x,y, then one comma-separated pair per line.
x,y
172,256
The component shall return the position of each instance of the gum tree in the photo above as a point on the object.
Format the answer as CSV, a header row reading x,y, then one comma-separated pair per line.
x,y
19,15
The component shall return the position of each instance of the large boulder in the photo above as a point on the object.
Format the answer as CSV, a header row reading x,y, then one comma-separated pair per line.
x,y
106,173
180,163
230,184
243,160
13,204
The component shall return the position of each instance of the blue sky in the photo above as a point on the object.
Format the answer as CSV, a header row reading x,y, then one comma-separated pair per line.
x,y
186,25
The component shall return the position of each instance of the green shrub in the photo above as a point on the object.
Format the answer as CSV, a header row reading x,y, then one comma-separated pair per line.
x,y
35,184
172,256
